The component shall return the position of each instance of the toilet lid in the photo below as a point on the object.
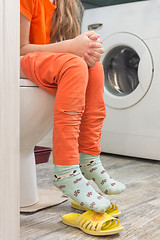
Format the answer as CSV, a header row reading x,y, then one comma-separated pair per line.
x,y
27,83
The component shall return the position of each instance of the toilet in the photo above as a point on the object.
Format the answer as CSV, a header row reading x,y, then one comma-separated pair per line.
x,y
36,120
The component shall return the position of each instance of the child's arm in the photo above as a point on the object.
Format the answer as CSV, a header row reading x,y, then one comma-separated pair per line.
x,y
77,46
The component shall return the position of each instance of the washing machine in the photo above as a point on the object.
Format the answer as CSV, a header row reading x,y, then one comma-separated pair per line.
x,y
131,61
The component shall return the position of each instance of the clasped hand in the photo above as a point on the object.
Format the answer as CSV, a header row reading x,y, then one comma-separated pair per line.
x,y
89,47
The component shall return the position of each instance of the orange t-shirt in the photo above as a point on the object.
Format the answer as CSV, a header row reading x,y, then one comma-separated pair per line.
x,y
39,13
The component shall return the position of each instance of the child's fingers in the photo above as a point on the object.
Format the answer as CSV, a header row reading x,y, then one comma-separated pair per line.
x,y
95,45
100,40
89,60
94,37
90,33
95,55
98,50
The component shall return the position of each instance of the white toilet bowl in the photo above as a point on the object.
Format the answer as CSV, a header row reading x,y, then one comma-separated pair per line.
x,y
36,120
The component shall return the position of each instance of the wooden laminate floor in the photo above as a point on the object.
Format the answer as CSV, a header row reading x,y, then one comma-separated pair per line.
x,y
139,204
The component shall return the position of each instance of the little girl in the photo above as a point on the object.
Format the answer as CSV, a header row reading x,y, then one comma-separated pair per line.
x,y
65,63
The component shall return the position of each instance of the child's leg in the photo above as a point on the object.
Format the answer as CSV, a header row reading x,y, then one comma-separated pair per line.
x,y
92,169
70,75
91,131
70,180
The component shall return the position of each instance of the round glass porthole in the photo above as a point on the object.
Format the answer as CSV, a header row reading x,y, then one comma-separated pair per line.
x,y
121,70
128,69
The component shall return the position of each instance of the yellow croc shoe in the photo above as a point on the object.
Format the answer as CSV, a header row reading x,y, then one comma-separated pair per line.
x,y
93,223
112,211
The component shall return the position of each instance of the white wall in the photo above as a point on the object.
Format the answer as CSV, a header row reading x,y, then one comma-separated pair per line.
x,y
9,119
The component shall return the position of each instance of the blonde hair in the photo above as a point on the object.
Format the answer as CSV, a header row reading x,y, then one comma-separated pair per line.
x,y
66,22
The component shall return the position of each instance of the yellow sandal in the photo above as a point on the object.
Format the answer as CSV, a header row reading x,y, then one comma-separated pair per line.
x,y
93,223
112,211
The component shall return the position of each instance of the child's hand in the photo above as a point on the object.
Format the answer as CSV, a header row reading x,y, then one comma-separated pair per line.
x,y
88,46
95,52
93,56
85,41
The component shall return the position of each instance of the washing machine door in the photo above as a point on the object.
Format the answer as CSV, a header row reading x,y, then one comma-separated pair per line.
x,y
128,69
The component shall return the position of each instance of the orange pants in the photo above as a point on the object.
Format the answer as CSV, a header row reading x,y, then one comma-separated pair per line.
x,y
79,108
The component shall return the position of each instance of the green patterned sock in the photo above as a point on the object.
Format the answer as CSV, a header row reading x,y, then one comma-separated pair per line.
x,y
70,180
92,169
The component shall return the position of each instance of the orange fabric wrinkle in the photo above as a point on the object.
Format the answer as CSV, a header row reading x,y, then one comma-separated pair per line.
x,y
77,89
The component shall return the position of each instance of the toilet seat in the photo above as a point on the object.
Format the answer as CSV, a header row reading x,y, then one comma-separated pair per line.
x,y
26,83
